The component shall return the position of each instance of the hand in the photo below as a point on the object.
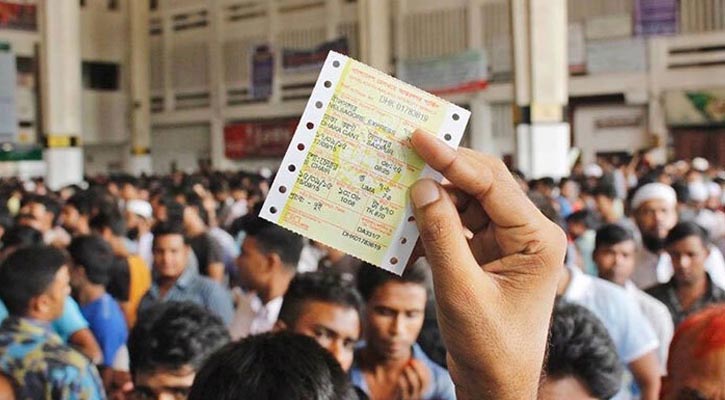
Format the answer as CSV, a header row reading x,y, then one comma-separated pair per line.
x,y
495,291
414,381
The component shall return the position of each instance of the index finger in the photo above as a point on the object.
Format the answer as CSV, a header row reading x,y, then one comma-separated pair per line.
x,y
485,178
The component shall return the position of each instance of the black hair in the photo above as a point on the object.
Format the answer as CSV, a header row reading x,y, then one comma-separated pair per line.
x,y
271,238
169,228
682,191
605,189
195,201
684,230
585,217
324,286
111,219
174,210
370,278
172,335
547,182
611,234
22,236
26,274
95,256
272,366
81,201
545,207
579,346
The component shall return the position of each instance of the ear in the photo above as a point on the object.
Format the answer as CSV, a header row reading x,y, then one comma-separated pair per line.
x,y
274,262
39,305
279,326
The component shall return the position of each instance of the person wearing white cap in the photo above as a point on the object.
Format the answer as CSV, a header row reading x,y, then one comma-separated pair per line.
x,y
139,220
654,207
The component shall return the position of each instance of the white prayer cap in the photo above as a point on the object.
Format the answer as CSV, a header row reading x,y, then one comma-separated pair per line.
x,y
593,171
700,164
140,207
265,172
654,191
698,191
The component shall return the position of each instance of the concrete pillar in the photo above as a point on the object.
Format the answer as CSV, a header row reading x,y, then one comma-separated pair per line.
x,y
375,29
541,75
140,92
217,89
481,125
60,66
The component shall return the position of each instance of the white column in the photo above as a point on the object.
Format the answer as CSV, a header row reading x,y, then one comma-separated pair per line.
x,y
482,138
541,75
140,92
217,89
374,22
60,66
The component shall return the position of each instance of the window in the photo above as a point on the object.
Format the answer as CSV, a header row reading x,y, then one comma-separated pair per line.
x,y
100,76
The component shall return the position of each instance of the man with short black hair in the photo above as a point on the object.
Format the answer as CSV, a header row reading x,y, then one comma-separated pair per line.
x,y
614,255
582,360
267,264
392,364
91,272
174,281
34,285
327,307
272,366
169,345
76,214
690,289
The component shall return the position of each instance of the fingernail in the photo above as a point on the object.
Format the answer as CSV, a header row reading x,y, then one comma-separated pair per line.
x,y
424,192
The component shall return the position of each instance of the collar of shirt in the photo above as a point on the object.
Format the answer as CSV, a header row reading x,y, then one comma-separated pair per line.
x,y
29,327
182,282
579,284
265,315
358,379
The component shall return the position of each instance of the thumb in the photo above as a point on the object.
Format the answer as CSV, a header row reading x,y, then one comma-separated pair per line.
x,y
443,237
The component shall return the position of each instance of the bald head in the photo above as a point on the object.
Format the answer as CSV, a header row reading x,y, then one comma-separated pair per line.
x,y
696,365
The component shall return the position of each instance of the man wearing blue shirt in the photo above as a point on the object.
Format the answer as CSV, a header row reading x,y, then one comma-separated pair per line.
x,y
390,364
174,281
91,272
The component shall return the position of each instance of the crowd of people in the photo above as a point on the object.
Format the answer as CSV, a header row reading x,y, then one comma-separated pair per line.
x,y
173,287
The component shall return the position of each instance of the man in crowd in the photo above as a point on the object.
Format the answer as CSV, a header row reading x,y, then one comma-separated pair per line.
x,y
208,251
614,255
34,285
582,361
90,273
44,211
327,307
632,334
169,345
392,364
131,277
696,368
174,281
139,222
655,211
272,366
267,264
76,214
690,288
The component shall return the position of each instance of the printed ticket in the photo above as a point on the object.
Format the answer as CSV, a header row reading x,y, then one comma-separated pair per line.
x,y
344,180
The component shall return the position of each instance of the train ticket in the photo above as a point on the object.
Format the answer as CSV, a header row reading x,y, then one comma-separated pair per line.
x,y
345,178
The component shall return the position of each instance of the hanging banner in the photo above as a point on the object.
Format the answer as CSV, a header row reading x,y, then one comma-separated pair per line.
x,y
258,139
458,73
695,107
312,59
18,16
655,17
262,72
8,83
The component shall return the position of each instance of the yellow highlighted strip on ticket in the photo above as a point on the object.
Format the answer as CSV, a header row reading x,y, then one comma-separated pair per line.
x,y
344,180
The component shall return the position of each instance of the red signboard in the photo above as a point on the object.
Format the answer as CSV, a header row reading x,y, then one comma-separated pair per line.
x,y
258,139
18,16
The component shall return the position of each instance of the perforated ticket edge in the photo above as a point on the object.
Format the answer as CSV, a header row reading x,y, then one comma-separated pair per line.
x,y
406,233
